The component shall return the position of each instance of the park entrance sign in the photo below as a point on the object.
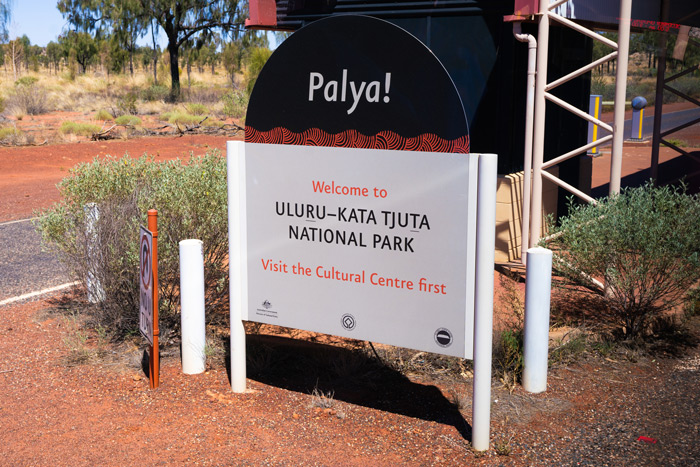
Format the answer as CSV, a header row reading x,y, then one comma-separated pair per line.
x,y
355,207
368,244
360,194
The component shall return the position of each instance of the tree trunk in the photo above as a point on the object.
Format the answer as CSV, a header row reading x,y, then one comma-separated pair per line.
x,y
14,58
155,56
131,60
173,50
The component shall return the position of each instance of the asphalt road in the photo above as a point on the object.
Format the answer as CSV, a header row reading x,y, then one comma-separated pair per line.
x,y
24,267
668,121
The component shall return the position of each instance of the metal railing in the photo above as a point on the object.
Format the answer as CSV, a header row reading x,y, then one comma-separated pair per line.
x,y
543,94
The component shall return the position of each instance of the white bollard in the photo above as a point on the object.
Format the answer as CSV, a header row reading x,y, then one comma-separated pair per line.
x,y
95,292
538,288
192,306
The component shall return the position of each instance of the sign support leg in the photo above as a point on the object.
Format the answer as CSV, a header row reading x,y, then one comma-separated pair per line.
x,y
483,302
154,373
235,151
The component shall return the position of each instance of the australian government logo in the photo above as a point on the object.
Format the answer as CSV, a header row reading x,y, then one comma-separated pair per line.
x,y
266,310
348,321
443,337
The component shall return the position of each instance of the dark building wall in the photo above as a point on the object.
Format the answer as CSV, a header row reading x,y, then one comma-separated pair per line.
x,y
488,66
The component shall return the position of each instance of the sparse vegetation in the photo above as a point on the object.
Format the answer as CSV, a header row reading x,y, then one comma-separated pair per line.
x,y
235,104
29,97
322,399
128,120
191,203
10,135
102,114
508,335
197,109
643,244
180,118
82,129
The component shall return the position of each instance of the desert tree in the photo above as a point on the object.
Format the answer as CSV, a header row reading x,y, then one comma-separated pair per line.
x,y
82,44
181,20
5,15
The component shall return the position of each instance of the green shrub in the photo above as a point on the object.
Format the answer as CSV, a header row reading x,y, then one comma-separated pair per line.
x,y
27,81
102,114
235,104
191,203
82,129
126,105
508,356
128,120
644,244
181,118
197,109
155,92
29,97
12,136
9,132
254,64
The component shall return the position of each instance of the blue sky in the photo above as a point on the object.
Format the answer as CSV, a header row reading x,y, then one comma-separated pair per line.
x,y
41,21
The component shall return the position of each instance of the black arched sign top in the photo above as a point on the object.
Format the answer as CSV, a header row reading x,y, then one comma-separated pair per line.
x,y
357,82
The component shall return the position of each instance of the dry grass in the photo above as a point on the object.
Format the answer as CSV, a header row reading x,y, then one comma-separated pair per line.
x,y
95,91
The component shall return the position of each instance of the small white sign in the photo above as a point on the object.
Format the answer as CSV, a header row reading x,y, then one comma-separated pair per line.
x,y
368,244
146,282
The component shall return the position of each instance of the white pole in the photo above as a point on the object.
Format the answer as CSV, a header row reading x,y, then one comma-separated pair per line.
x,y
529,124
538,138
95,292
623,48
235,151
483,300
538,286
193,331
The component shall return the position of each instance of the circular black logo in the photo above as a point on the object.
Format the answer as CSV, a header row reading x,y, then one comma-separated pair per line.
x,y
443,337
348,321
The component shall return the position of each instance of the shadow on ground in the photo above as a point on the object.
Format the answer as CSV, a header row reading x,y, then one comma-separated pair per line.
x,y
685,168
350,375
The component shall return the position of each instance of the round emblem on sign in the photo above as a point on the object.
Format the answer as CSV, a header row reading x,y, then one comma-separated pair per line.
x,y
348,321
443,337
146,269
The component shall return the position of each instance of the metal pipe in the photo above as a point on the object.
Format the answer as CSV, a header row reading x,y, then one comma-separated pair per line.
x,y
580,113
585,31
576,152
154,374
538,136
623,48
581,71
529,122
566,186
658,105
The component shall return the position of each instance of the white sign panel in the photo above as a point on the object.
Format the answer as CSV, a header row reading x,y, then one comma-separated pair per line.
x,y
146,282
369,244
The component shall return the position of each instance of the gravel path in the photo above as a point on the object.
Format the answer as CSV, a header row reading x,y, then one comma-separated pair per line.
x,y
24,267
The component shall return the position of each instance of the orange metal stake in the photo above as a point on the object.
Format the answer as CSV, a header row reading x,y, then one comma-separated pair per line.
x,y
154,373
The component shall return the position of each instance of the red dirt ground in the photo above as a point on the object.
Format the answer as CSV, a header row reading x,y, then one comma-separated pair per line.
x,y
53,412
30,173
